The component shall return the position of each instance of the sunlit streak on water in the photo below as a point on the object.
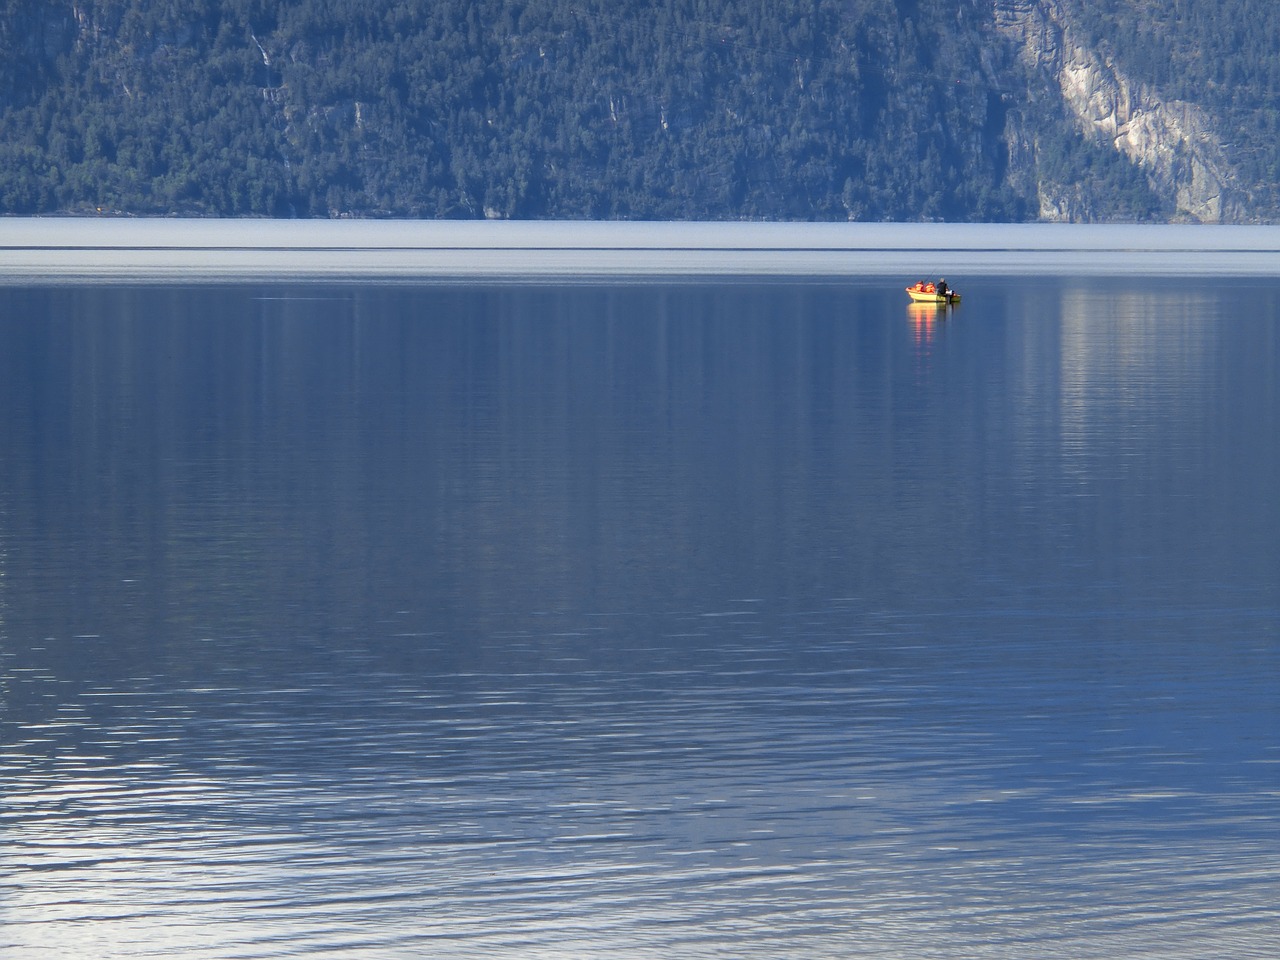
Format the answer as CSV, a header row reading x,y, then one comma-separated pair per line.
x,y
839,808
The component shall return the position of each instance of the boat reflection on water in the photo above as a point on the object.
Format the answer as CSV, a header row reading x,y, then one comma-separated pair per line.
x,y
923,318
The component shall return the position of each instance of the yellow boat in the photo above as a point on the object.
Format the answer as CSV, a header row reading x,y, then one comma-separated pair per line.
x,y
932,296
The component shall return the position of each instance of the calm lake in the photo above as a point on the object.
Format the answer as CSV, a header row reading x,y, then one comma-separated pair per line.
x,y
639,619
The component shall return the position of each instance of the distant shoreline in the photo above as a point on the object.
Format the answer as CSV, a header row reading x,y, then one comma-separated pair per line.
x,y
65,249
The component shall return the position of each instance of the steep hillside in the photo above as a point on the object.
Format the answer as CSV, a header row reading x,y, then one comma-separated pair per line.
x,y
1224,58
684,109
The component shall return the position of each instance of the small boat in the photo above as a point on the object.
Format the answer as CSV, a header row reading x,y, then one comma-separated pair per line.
x,y
928,293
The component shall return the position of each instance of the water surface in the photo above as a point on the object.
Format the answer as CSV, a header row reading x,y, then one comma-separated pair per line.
x,y
751,619
112,250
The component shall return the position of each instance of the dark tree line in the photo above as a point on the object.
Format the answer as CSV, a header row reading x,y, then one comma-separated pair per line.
x,y
645,109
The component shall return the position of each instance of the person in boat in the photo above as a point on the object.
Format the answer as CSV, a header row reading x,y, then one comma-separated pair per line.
x,y
942,287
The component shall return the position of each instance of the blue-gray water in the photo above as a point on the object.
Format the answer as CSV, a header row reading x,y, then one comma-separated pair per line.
x,y
753,619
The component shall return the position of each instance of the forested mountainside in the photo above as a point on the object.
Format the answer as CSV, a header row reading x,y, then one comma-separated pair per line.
x,y
928,110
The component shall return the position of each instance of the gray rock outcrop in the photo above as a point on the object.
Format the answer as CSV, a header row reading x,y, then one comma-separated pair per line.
x,y
1173,141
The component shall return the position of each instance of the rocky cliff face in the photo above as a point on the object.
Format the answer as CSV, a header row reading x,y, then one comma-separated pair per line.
x,y
1173,142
